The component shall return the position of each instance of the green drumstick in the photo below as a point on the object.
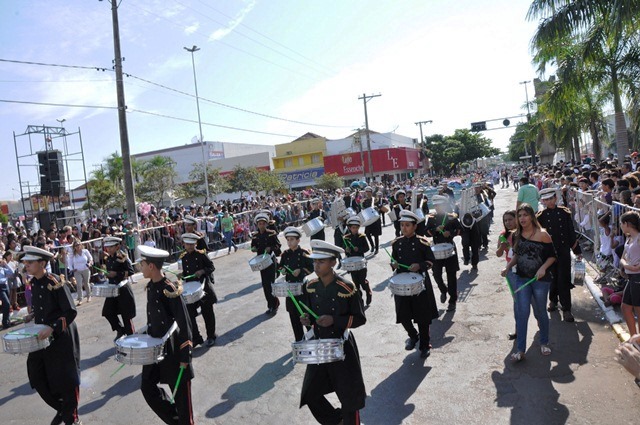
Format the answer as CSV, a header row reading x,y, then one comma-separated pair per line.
x,y
347,242
315,316
288,269
175,389
295,302
100,270
117,370
510,287
533,279
394,260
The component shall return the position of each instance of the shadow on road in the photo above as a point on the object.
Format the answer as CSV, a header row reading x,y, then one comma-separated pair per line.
x,y
261,382
388,401
245,291
121,389
22,390
524,387
98,359
238,332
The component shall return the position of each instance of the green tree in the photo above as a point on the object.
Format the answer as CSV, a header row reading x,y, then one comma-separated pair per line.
x,y
114,170
329,181
447,152
158,179
605,33
244,179
271,182
195,188
103,193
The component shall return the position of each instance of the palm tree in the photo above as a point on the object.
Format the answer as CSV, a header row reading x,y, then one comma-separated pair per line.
x,y
605,31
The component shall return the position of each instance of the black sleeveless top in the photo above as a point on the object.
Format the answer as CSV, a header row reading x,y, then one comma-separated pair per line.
x,y
531,256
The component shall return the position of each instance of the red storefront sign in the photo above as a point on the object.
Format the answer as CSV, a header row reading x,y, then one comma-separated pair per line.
x,y
384,161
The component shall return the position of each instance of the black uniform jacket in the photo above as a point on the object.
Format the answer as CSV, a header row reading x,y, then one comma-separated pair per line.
x,y
359,242
559,224
199,260
260,242
298,259
124,304
165,306
53,306
374,228
451,225
339,300
421,307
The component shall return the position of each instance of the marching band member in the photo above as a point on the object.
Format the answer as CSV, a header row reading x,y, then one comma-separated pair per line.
x,y
340,309
400,204
443,226
298,266
350,201
414,253
265,242
375,228
356,246
382,205
317,211
190,224
54,372
197,266
165,306
119,268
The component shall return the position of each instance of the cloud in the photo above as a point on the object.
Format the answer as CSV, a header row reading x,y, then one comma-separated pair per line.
x,y
192,28
222,32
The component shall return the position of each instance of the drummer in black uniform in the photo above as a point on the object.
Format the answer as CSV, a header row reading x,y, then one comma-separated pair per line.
x,y
340,308
443,226
165,306
350,201
356,245
190,224
558,222
317,211
295,264
265,242
197,267
119,268
54,372
415,255
373,230
399,205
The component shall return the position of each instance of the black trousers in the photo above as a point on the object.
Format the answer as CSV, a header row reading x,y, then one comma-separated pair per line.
x,y
326,414
396,225
268,276
209,319
374,242
451,267
116,325
179,413
471,240
359,278
66,402
560,288
423,328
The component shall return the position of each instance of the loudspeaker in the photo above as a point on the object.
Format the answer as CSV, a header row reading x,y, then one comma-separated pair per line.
x,y
61,218
51,170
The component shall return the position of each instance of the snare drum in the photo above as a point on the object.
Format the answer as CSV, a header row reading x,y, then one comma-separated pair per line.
x,y
353,264
260,262
406,284
106,290
443,250
318,351
579,271
368,216
280,288
392,215
138,349
24,340
192,291
313,226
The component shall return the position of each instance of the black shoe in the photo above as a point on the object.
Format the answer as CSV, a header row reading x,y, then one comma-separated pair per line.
x,y
368,299
411,343
466,262
452,307
197,341
235,248
119,334
425,352
552,307
568,317
375,252
57,419
512,336
474,268
443,297
210,342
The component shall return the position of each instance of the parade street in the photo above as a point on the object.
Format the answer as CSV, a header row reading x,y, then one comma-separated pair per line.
x,y
249,376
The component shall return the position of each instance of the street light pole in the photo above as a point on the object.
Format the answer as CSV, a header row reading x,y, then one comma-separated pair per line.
x,y
195,83
533,144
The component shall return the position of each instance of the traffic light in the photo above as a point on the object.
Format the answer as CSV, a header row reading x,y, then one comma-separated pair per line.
x,y
410,174
479,126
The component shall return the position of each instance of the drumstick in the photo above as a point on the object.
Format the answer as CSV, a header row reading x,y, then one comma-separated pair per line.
x,y
510,287
288,269
393,259
20,333
533,279
347,241
315,316
295,302
117,370
100,270
442,224
175,389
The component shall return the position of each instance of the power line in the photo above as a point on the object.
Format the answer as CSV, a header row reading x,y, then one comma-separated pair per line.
x,y
55,81
66,105
95,68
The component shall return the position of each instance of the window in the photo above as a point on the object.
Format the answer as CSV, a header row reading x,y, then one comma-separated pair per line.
x,y
301,160
315,159
288,163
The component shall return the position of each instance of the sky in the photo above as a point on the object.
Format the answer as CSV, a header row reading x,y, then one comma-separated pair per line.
x,y
268,71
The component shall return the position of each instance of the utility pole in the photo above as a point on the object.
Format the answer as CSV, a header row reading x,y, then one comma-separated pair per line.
x,y
365,99
420,124
533,144
357,139
132,213
195,83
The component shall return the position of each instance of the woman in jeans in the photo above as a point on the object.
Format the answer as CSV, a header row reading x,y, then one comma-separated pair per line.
x,y
6,275
630,262
533,254
80,261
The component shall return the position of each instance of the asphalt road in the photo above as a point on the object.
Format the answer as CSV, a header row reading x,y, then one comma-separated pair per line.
x,y
248,376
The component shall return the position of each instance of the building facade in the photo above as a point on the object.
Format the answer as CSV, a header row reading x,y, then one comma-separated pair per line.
x,y
302,161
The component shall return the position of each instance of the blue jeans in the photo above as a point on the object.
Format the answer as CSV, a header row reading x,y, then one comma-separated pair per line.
x,y
228,236
535,294
4,297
